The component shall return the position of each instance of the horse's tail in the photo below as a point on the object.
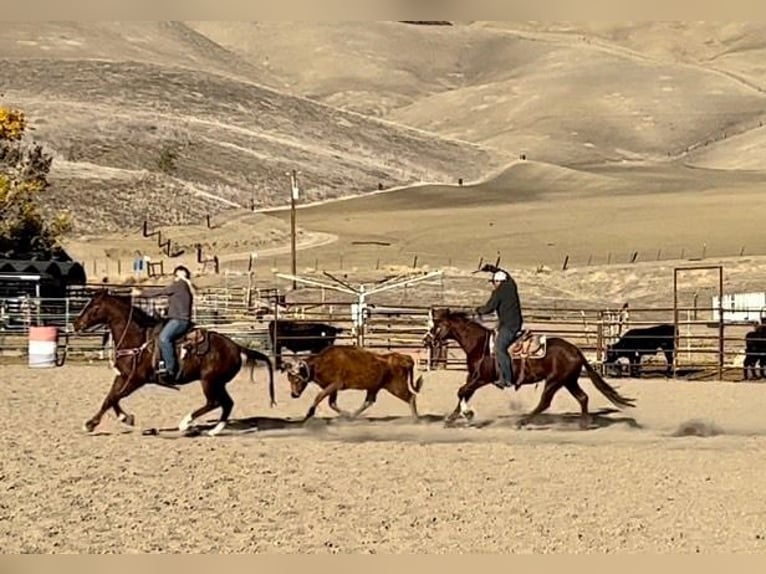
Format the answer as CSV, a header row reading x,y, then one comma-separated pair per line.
x,y
605,388
251,357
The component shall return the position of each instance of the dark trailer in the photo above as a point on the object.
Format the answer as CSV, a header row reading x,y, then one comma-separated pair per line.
x,y
34,292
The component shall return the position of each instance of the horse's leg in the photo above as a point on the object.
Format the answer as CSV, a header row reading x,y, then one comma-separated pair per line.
x,y
211,403
120,389
227,404
467,394
460,404
464,394
121,415
550,389
573,386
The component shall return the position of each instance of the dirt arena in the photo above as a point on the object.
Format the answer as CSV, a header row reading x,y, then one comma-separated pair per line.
x,y
682,472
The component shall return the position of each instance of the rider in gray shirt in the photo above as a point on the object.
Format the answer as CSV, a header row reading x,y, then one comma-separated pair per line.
x,y
180,296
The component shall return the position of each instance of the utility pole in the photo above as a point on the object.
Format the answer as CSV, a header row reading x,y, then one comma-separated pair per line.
x,y
293,198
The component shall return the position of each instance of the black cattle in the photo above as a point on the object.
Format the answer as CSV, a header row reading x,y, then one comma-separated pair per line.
x,y
636,343
755,352
300,336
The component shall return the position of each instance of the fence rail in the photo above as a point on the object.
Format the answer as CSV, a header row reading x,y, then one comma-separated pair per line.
x,y
245,314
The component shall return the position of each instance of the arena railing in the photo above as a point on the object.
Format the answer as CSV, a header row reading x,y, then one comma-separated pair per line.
x,y
699,347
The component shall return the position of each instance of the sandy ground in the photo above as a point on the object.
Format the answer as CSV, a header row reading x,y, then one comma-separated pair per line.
x,y
381,484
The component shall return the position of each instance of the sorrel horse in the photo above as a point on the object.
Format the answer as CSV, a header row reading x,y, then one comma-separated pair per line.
x,y
560,366
210,357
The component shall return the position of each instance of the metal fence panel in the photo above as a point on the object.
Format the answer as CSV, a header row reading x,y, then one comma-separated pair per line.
x,y
244,316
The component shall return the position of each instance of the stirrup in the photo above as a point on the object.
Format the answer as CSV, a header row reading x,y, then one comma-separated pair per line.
x,y
165,379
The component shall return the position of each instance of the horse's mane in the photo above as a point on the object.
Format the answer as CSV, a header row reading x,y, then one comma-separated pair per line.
x,y
141,317
462,316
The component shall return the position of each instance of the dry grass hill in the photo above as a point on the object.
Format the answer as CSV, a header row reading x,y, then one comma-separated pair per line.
x,y
637,136
151,112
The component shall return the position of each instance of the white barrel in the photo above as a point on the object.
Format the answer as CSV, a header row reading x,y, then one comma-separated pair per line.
x,y
43,342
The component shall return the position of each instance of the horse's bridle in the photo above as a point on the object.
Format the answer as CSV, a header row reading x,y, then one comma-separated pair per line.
x,y
431,338
130,352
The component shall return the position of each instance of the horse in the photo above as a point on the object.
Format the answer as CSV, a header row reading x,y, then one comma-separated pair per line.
x,y
204,355
560,365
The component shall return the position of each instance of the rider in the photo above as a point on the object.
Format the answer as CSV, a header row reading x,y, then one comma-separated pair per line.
x,y
505,302
180,295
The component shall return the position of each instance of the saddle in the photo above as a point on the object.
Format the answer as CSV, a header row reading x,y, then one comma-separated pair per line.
x,y
196,340
527,345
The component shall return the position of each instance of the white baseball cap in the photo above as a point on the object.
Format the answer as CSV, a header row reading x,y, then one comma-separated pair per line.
x,y
499,276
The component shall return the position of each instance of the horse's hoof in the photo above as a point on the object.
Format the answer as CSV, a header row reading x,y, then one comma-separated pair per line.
x,y
216,429
469,414
129,420
88,426
185,423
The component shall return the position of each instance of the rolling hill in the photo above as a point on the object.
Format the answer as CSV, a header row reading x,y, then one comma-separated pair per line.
x,y
129,132
569,93
175,120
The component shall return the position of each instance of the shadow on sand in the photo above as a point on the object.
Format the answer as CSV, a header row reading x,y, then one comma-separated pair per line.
x,y
313,425
561,421
282,426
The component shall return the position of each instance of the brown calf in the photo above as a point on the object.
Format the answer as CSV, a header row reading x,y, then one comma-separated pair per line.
x,y
346,367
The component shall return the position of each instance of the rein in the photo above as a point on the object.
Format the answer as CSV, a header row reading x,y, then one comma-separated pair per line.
x,y
487,339
116,352
129,352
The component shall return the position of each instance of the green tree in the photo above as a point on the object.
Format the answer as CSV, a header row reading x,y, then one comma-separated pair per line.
x,y
25,231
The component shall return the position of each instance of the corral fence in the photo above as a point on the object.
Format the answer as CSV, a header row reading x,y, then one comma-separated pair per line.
x,y
707,344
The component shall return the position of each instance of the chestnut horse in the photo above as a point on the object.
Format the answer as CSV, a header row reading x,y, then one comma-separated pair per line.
x,y
561,366
211,358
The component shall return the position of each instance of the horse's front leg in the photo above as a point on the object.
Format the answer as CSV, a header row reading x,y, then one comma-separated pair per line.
x,y
120,389
121,415
454,414
464,395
